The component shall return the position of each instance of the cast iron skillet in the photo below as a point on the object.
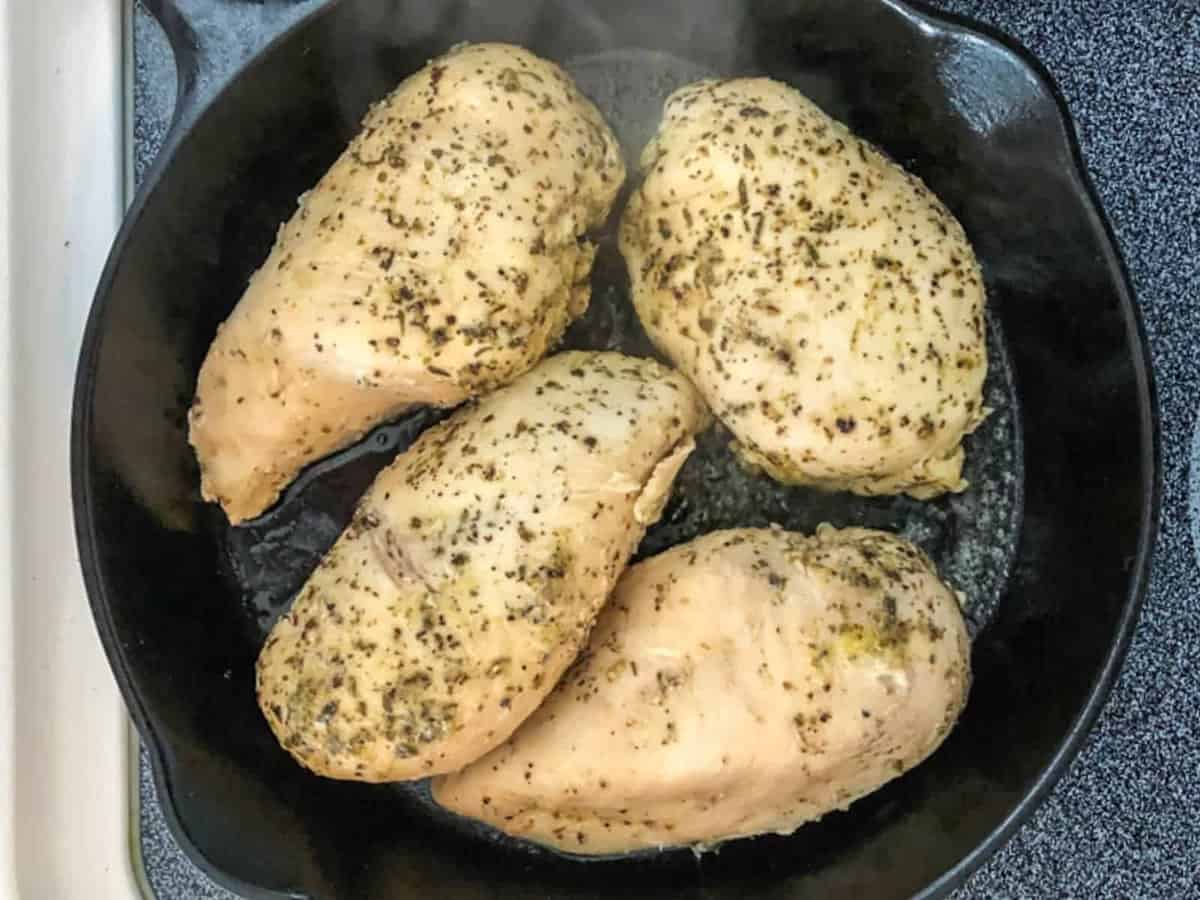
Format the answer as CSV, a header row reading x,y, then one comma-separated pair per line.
x,y
1050,545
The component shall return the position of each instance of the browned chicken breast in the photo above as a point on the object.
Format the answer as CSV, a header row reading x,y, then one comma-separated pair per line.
x,y
474,568
747,682
823,300
440,256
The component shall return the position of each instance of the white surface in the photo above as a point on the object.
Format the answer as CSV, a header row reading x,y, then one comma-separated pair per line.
x,y
65,746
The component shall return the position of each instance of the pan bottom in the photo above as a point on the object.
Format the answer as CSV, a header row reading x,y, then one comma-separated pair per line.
x,y
972,537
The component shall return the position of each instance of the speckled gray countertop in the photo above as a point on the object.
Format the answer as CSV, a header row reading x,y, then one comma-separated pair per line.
x,y
1125,820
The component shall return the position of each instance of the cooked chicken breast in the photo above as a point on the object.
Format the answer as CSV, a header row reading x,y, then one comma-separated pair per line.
x,y
473,569
824,301
440,256
747,682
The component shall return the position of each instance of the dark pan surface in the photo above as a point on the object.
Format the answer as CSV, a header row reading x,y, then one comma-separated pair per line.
x,y
1048,545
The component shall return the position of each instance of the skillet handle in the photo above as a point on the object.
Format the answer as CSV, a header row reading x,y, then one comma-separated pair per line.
x,y
212,39
184,47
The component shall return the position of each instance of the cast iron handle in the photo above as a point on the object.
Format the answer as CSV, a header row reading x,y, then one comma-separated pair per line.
x,y
212,39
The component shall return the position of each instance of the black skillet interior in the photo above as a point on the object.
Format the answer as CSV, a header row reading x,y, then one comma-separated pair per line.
x,y
181,600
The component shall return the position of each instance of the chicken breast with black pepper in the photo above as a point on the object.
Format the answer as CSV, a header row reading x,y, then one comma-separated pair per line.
x,y
747,682
474,568
442,255
827,305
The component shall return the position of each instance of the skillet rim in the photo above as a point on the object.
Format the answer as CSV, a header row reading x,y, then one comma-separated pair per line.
x,y
189,111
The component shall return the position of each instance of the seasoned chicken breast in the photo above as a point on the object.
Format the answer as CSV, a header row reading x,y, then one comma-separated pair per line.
x,y
441,256
747,682
474,568
824,301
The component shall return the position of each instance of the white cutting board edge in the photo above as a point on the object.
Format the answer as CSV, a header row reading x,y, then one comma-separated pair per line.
x,y
67,752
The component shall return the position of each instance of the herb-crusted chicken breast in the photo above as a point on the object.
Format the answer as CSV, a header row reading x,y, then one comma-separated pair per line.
x,y
441,256
749,681
823,300
474,568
